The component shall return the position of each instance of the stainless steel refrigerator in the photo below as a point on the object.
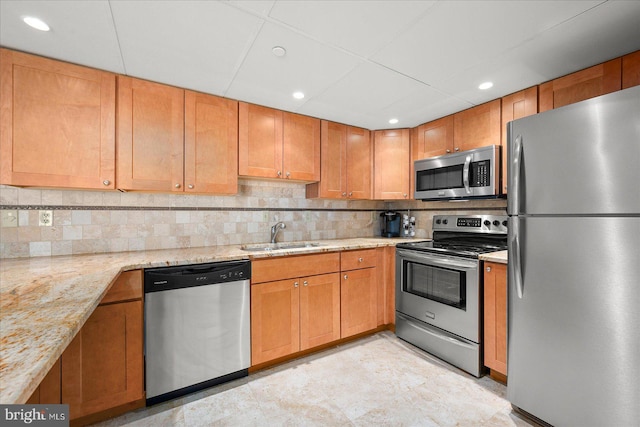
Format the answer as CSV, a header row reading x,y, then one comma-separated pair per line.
x,y
574,263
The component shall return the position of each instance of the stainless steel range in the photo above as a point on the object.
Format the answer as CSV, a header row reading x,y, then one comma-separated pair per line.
x,y
438,287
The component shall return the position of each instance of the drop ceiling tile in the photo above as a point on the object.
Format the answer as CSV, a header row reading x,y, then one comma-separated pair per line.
x,y
191,44
81,32
259,7
456,35
308,66
361,27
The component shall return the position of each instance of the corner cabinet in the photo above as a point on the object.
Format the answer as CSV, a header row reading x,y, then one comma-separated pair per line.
x,y
57,127
515,106
584,84
346,163
391,165
277,144
102,369
295,305
495,318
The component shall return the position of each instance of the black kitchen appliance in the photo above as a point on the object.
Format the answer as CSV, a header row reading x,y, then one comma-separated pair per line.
x,y
390,224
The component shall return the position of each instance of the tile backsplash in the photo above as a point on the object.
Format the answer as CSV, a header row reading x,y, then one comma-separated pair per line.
x,y
98,221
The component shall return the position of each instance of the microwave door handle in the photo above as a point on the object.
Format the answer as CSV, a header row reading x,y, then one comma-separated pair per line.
x,y
465,174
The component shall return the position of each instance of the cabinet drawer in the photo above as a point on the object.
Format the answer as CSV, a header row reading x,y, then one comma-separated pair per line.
x,y
287,267
128,286
352,260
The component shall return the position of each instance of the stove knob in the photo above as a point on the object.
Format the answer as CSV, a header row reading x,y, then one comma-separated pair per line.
x,y
438,221
496,223
444,221
487,222
504,223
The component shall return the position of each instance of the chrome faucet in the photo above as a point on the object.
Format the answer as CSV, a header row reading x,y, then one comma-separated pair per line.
x,y
275,229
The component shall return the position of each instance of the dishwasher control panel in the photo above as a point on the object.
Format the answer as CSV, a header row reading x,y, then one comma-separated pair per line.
x,y
166,278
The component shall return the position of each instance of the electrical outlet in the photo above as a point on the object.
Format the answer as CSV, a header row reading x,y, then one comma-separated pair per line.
x,y
45,218
10,218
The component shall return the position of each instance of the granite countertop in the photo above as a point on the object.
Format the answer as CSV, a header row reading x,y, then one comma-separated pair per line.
x,y
45,301
500,257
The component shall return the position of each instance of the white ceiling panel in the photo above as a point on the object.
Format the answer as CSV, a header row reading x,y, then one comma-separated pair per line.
x,y
81,32
361,27
192,44
259,8
308,66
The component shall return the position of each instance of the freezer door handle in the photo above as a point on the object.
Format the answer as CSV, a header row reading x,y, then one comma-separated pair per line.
x,y
465,174
514,192
514,252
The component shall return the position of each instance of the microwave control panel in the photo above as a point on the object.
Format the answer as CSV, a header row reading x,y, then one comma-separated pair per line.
x,y
480,174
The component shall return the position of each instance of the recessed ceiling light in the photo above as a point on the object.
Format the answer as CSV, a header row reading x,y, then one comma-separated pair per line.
x,y
485,85
279,51
393,121
298,95
36,23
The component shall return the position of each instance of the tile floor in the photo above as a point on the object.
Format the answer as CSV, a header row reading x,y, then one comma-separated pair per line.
x,y
376,381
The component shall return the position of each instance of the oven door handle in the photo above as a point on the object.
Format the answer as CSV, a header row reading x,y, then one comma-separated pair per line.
x,y
465,174
437,261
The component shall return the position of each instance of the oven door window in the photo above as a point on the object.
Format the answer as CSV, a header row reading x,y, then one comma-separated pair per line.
x,y
435,283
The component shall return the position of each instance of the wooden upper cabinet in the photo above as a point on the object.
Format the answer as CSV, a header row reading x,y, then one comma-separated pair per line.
x,y
346,163
433,139
150,136
477,127
515,106
57,127
588,83
631,70
392,158
276,144
210,144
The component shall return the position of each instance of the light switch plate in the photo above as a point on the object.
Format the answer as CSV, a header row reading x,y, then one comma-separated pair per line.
x,y
10,218
45,218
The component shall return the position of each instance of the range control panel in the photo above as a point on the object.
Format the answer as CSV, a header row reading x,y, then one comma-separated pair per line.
x,y
471,223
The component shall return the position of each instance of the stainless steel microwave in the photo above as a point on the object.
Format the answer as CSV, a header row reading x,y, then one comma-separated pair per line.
x,y
463,175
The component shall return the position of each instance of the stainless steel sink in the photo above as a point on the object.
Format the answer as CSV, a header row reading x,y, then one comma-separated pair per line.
x,y
276,246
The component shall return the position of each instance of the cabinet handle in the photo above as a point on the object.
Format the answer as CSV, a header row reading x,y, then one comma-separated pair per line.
x,y
350,193
279,173
360,259
288,174
344,194
177,185
405,195
305,283
106,182
191,186
448,151
457,148
295,284
346,277
488,269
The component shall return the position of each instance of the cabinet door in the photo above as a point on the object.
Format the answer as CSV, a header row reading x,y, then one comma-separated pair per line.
x,y
392,157
57,127
319,310
434,139
49,389
631,70
301,147
150,136
259,141
210,144
102,368
358,301
359,163
333,165
275,320
495,317
516,106
584,84
477,127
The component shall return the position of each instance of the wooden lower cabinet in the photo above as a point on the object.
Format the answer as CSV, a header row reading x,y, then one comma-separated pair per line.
x,y
291,315
495,317
103,369
358,301
49,389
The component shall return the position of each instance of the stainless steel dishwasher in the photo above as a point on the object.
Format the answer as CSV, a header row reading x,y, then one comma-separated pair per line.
x,y
197,327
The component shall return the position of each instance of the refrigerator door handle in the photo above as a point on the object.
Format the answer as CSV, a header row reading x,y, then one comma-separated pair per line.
x,y
465,174
514,252
514,192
